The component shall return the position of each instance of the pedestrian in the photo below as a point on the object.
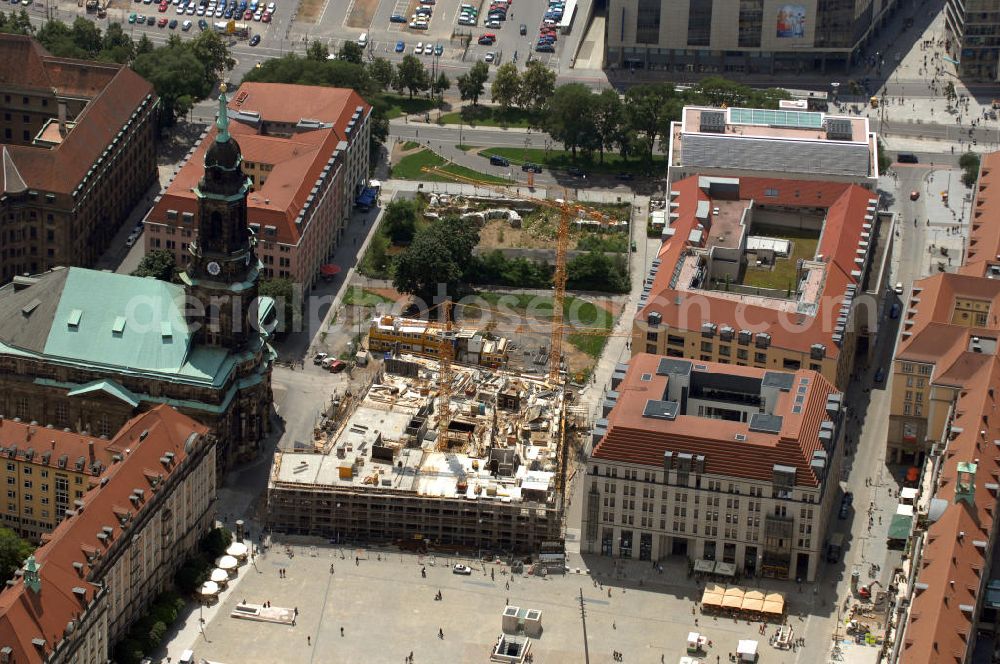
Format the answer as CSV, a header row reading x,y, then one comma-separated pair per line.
x,y
440,633
341,631
296,612
309,640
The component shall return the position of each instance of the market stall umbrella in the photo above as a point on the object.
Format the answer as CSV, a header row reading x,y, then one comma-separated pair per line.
x,y
711,599
715,589
219,576
329,270
237,550
774,603
753,600
732,602
704,566
209,588
725,569
227,563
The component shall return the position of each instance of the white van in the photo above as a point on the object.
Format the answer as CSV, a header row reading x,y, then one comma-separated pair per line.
x,y
363,40
187,657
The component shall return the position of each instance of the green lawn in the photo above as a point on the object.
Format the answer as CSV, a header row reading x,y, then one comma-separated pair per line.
x,y
782,276
411,167
562,159
400,105
487,116
576,313
411,145
362,297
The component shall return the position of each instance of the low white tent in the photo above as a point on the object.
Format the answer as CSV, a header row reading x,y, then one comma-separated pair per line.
x,y
227,563
747,650
219,575
209,588
237,550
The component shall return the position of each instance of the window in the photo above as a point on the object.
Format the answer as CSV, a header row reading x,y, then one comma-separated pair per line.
x,y
741,354
706,347
907,408
27,484
751,24
760,358
651,336
28,470
647,22
699,22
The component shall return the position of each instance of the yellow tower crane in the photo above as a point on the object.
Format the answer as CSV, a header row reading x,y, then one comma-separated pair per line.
x,y
445,353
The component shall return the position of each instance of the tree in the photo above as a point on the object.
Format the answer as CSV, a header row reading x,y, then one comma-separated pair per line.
x,y
351,52
441,85
608,120
399,221
595,270
970,167
411,75
884,160
317,51
375,263
538,84
646,109
16,24
437,256
215,542
506,88
382,71
570,119
178,77
116,45
86,36
949,92
155,636
472,84
13,552
145,45
158,264
213,54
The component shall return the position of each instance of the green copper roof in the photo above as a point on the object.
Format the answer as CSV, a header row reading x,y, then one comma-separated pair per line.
x,y
109,387
119,320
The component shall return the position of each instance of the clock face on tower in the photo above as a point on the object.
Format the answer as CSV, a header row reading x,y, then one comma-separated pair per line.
x,y
213,268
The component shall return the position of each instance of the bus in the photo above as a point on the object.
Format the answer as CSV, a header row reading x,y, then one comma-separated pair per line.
x,y
239,30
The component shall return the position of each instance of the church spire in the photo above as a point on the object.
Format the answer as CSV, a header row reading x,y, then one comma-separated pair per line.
x,y
222,122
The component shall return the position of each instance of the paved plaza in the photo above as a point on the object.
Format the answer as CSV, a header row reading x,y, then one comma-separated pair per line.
x,y
386,610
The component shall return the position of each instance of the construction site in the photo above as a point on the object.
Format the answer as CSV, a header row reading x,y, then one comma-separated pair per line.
x,y
431,455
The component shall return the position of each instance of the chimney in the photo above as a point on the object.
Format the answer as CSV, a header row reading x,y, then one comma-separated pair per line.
x,y
62,118
90,449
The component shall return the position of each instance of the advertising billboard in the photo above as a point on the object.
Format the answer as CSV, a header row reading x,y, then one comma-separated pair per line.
x,y
791,22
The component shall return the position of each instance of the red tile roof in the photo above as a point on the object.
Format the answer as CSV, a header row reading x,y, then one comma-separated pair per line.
x,y
297,160
634,438
115,92
984,236
952,566
25,615
48,445
846,206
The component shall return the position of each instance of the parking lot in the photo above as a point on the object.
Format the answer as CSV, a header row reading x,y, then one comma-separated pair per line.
x,y
387,610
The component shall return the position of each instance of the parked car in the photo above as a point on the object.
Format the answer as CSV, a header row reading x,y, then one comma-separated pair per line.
x,y
438,49
132,17
523,29
529,167
337,366
319,357
493,23
396,18
914,195
497,160
880,375
545,48
162,23
418,25
173,24
185,26
400,46
255,40
894,311
576,172
899,288
418,49
461,569
490,57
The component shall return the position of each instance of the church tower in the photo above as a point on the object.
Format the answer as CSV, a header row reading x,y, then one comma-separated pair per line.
x,y
223,272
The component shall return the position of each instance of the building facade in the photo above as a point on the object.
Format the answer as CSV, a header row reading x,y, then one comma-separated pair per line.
x,y
118,546
741,36
713,294
973,29
89,350
43,470
305,152
715,462
78,144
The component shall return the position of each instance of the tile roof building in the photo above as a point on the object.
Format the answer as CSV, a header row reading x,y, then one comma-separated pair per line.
x,y
89,350
305,149
77,144
714,294
785,143
945,386
118,546
716,462
44,469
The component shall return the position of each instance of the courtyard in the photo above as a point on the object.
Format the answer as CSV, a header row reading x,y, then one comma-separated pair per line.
x,y
781,275
387,610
